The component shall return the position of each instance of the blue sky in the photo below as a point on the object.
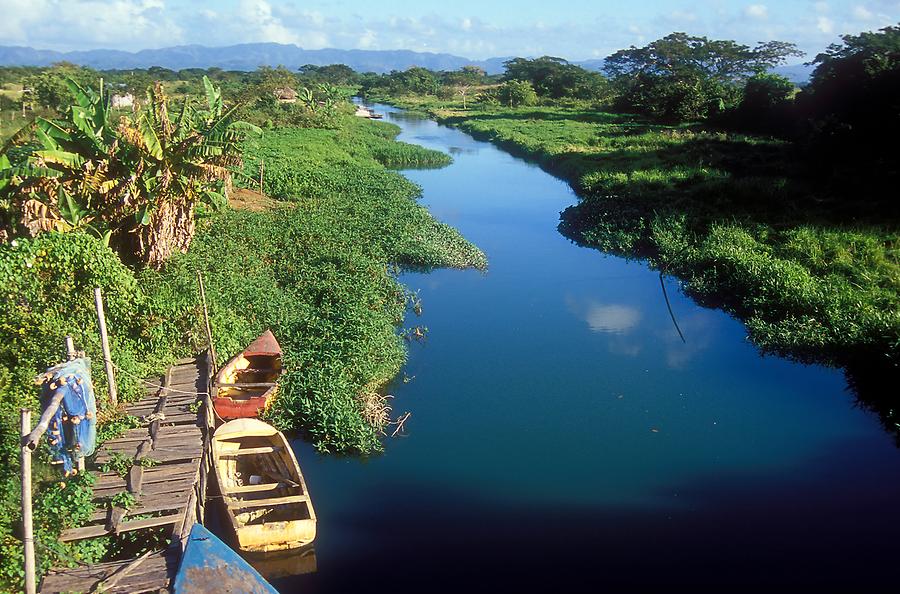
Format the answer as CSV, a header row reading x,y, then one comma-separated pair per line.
x,y
574,29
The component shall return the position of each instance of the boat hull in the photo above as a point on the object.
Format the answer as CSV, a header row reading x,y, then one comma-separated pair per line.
x,y
246,385
263,490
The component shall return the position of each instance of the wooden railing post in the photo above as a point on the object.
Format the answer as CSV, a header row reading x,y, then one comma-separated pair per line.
x,y
104,342
27,521
212,348
262,169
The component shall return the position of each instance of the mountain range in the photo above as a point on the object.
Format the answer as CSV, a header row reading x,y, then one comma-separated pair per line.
x,y
249,56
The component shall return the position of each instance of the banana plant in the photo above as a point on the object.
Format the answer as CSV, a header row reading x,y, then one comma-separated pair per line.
x,y
138,179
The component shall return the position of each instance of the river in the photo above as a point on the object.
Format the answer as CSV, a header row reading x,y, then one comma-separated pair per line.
x,y
563,433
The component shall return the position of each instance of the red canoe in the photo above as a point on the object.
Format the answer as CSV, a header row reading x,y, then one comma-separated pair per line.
x,y
246,386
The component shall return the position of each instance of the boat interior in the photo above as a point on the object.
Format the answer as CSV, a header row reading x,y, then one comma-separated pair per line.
x,y
249,376
259,485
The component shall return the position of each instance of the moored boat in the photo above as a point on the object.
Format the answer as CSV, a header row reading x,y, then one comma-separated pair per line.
x,y
208,565
263,490
246,385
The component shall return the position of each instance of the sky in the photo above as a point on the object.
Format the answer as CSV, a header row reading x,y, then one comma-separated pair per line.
x,y
477,29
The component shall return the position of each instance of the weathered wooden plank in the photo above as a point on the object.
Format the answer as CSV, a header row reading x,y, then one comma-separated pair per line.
x,y
254,488
100,530
162,502
251,451
181,472
153,575
147,480
271,502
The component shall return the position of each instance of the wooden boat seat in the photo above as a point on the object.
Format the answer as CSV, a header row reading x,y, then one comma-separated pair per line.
x,y
248,451
245,503
248,385
255,488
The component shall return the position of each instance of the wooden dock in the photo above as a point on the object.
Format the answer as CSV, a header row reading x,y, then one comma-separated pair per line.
x,y
169,463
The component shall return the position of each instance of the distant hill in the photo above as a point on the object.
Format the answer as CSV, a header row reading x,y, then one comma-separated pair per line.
x,y
250,56
796,73
247,56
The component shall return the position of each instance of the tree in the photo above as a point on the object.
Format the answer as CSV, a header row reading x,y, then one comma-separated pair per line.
x,y
682,77
517,92
416,80
681,55
851,102
49,88
334,74
556,78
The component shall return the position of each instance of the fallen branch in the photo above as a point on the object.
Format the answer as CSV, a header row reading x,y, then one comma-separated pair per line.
x,y
399,423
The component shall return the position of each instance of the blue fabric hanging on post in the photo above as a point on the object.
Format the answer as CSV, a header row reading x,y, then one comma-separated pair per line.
x,y
73,428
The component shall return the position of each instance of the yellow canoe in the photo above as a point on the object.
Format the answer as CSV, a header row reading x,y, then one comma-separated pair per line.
x,y
262,487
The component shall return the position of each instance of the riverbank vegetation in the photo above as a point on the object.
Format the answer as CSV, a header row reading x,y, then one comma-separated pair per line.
x,y
774,201
317,266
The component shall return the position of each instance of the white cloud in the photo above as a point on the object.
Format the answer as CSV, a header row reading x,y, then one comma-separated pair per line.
x,y
757,11
61,24
862,13
825,24
367,40
257,17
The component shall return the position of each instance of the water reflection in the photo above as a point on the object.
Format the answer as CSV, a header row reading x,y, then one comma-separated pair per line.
x,y
616,318
458,150
698,329
284,564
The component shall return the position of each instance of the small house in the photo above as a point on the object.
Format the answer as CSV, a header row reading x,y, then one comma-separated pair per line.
x,y
122,101
286,95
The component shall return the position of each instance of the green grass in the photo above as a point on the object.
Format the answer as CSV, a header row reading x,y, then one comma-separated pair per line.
x,y
318,270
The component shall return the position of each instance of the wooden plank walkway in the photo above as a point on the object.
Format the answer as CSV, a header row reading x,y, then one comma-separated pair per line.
x,y
169,462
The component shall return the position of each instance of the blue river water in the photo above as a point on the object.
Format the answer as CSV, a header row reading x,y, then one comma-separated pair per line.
x,y
563,434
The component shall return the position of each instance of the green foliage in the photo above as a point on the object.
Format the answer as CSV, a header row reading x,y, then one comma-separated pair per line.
x,y
767,106
556,78
684,78
118,463
765,92
851,102
49,88
124,499
679,55
47,294
58,506
516,92
138,178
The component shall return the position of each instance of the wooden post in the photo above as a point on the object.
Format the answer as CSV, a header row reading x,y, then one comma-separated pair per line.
x,y
262,168
104,341
212,349
27,522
